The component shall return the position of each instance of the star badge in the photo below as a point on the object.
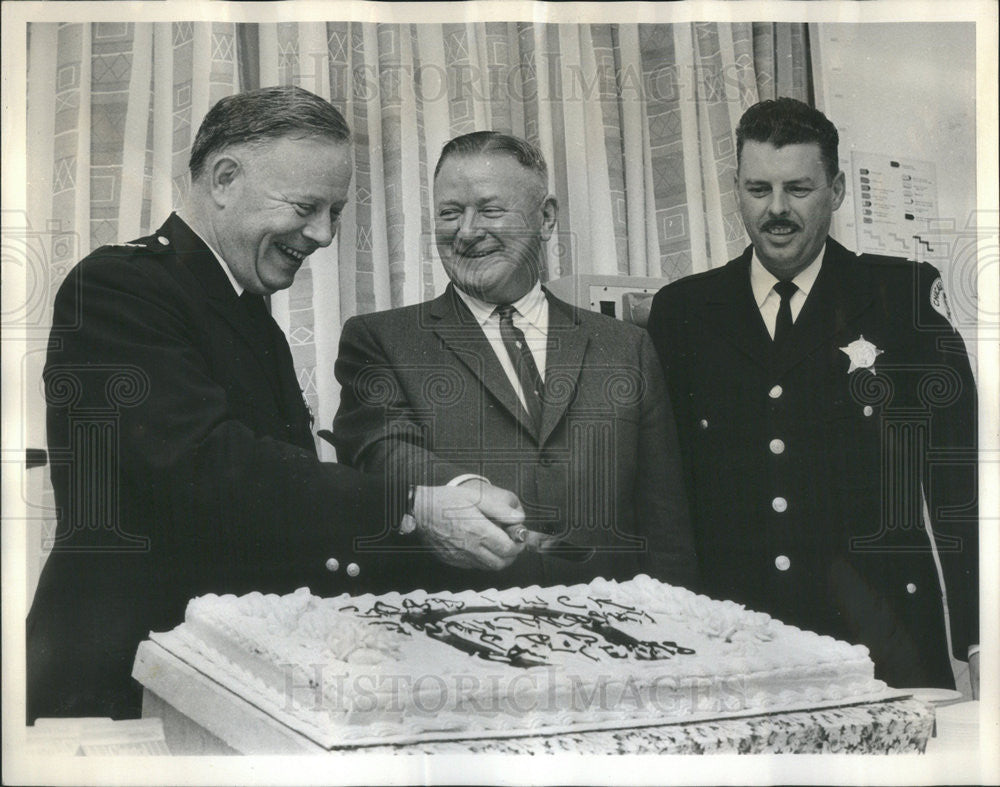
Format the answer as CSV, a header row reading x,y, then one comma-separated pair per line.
x,y
862,354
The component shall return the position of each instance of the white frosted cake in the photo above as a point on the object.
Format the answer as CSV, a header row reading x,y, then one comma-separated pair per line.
x,y
418,666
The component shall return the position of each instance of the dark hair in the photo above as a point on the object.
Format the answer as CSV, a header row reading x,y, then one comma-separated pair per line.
x,y
268,113
494,142
787,121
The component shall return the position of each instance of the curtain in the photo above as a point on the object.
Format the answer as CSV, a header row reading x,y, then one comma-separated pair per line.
x,y
635,120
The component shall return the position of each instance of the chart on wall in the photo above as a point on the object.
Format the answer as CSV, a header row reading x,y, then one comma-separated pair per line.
x,y
894,199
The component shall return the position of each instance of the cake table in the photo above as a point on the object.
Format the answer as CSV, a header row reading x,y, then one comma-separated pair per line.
x,y
201,716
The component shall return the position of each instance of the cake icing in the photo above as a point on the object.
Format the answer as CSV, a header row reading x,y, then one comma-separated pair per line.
x,y
357,669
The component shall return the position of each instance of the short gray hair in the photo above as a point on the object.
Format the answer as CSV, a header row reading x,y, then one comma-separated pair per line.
x,y
265,114
479,142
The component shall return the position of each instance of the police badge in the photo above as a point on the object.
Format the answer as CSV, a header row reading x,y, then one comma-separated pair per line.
x,y
862,354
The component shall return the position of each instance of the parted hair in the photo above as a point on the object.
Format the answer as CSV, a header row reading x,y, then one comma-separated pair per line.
x,y
788,121
476,142
265,114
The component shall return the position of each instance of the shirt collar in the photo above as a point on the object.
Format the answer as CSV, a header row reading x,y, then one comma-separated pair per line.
x,y
529,305
762,281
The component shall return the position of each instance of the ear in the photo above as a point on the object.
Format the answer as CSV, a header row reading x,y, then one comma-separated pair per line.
x,y
550,212
839,188
223,175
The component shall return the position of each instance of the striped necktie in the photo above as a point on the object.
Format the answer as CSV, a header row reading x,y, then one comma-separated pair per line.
x,y
524,364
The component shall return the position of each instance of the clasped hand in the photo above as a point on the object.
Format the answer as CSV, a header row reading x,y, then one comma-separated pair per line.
x,y
465,524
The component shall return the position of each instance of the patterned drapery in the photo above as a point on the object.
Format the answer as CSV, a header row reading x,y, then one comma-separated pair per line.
x,y
636,121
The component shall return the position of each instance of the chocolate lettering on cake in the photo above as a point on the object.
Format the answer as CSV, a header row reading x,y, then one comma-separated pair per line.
x,y
528,634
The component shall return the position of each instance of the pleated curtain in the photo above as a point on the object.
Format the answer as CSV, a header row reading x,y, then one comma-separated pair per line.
x,y
635,120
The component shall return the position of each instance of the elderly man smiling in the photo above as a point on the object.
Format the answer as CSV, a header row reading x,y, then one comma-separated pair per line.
x,y
182,457
499,386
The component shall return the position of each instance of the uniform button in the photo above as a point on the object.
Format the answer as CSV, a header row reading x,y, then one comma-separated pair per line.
x,y
332,564
353,569
779,504
775,392
782,563
163,240
703,423
868,410
777,446
911,588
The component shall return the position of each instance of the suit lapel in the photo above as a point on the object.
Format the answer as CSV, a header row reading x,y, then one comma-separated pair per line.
x,y
732,312
567,345
460,333
840,293
203,265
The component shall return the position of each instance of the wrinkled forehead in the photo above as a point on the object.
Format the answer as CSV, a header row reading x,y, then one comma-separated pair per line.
x,y
762,160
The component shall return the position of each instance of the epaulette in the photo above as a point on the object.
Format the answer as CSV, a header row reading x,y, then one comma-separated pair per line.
x,y
149,243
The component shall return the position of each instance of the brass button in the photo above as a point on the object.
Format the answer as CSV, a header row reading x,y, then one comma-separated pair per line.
x,y
782,563
779,504
332,564
353,569
911,588
777,446
703,423
868,410
776,392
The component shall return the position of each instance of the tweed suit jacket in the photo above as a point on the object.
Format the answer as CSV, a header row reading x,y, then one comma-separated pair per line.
x,y
805,467
424,396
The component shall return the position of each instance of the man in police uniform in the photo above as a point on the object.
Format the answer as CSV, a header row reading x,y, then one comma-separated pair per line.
x,y
824,407
182,458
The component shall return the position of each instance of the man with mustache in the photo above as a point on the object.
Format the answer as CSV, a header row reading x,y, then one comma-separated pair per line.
x,y
181,449
824,403
496,379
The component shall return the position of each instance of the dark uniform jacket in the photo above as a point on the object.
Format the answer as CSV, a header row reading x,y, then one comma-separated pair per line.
x,y
424,395
182,463
804,474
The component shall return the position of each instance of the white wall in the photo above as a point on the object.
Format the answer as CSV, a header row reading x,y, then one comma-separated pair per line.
x,y
909,90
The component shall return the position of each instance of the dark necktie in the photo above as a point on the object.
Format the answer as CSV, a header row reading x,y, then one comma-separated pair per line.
x,y
783,324
524,363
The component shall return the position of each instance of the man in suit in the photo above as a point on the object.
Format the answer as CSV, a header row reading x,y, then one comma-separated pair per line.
x,y
182,458
820,397
496,379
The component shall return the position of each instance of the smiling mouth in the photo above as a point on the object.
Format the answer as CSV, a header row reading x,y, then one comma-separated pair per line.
x,y
294,254
780,230
476,254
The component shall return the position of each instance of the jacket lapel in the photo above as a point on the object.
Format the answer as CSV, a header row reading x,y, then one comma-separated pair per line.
x,y
460,333
841,293
732,312
202,264
567,345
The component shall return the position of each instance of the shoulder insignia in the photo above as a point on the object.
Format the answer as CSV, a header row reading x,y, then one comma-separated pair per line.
x,y
128,246
939,301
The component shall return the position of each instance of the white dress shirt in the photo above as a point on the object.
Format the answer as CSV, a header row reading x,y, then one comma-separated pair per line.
x,y
762,283
531,317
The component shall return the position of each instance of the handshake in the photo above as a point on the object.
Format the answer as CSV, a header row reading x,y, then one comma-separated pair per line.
x,y
478,525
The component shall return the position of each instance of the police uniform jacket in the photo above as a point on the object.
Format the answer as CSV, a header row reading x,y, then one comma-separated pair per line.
x,y
182,464
804,467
